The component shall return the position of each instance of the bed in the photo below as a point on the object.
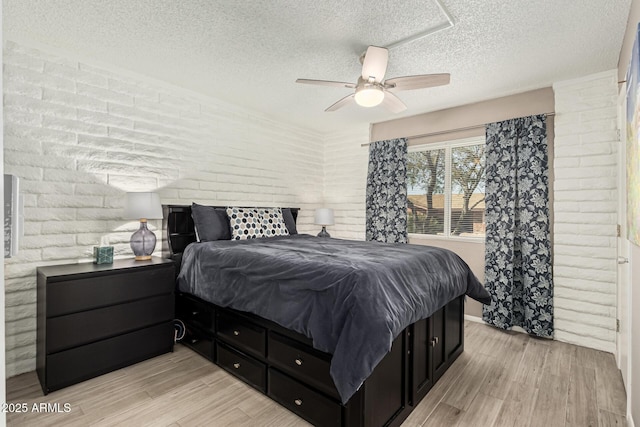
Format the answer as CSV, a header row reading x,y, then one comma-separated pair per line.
x,y
334,330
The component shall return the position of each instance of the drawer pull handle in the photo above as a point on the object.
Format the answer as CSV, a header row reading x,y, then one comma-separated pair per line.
x,y
194,340
299,362
236,332
298,402
435,341
236,365
195,313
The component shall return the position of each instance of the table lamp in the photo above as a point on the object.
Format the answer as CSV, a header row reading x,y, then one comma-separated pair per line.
x,y
324,217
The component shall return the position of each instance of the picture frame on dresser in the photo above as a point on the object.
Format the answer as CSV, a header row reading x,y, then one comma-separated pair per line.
x,y
12,215
96,318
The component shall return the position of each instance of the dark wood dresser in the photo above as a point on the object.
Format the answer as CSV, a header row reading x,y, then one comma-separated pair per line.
x,y
93,319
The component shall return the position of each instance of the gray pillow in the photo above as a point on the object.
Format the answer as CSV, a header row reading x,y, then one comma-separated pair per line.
x,y
210,223
289,221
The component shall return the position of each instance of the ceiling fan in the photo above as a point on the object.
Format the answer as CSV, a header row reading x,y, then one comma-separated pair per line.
x,y
372,89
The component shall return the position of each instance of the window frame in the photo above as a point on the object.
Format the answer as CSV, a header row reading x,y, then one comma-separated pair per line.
x,y
448,146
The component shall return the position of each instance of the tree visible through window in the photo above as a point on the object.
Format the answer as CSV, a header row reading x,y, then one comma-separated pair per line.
x,y
446,189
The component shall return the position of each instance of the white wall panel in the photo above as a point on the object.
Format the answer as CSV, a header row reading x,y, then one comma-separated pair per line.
x,y
80,136
585,210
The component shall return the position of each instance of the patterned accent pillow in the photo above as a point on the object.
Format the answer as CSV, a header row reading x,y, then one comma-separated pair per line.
x,y
273,222
244,223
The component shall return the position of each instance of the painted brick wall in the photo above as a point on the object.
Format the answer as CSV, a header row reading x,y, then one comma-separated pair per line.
x,y
585,208
345,177
79,136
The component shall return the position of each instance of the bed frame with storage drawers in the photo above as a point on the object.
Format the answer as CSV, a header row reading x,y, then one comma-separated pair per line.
x,y
284,365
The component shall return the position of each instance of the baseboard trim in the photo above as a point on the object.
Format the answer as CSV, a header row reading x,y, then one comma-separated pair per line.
x,y
477,319
471,318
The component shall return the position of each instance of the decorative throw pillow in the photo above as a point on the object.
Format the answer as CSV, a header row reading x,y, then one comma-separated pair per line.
x,y
289,221
273,223
244,223
210,223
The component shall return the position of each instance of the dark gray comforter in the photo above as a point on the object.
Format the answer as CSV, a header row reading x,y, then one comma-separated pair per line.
x,y
351,298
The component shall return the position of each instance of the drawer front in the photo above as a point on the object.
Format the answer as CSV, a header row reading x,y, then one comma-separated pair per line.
x,y
301,363
195,313
72,330
71,296
244,367
307,403
199,340
242,334
81,363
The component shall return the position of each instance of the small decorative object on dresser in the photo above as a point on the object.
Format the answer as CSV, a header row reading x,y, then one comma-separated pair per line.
x,y
94,319
143,206
324,217
103,254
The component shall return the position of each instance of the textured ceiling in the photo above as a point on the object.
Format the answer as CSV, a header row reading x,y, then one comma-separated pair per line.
x,y
251,52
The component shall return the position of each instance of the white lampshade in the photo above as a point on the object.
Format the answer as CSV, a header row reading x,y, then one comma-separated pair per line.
x,y
369,96
324,216
143,205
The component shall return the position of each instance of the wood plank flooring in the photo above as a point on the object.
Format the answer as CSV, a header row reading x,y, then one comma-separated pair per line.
x,y
502,379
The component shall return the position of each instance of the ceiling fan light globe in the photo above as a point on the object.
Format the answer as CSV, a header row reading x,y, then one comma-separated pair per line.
x,y
369,96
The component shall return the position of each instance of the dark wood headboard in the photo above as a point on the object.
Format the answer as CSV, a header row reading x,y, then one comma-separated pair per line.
x,y
180,231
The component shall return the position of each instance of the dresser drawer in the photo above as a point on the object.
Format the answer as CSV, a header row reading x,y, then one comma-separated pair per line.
x,y
81,363
195,313
199,340
72,330
242,334
309,404
300,362
70,296
245,367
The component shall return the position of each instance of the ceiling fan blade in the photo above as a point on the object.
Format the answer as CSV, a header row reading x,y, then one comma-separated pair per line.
x,y
344,101
417,82
393,103
375,63
326,83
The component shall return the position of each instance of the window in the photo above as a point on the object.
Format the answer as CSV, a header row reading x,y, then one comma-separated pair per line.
x,y
445,188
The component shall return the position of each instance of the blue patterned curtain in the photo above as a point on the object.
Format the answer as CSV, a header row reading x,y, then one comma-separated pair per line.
x,y
518,250
387,191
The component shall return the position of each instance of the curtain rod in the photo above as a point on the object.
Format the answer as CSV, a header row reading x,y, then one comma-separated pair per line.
x,y
444,132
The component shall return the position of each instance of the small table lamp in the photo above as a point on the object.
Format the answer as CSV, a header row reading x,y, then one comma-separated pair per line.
x,y
143,206
324,217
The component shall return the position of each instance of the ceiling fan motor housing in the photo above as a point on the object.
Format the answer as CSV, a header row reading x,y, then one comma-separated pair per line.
x,y
368,93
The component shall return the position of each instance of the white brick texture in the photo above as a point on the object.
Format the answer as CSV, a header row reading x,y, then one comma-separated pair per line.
x,y
79,137
345,177
585,210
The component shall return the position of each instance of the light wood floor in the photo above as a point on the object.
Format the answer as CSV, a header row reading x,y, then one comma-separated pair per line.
x,y
502,379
